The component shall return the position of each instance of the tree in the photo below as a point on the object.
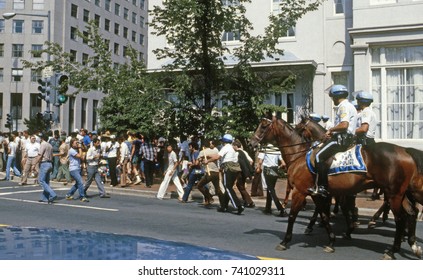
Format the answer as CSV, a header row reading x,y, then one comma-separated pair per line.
x,y
132,98
194,30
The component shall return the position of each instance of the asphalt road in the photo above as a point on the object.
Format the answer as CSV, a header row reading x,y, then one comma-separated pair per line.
x,y
251,233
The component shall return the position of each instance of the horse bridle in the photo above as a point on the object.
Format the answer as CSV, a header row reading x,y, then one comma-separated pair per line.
x,y
259,139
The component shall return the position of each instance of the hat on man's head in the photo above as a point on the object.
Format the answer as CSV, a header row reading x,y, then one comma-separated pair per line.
x,y
112,136
315,117
106,134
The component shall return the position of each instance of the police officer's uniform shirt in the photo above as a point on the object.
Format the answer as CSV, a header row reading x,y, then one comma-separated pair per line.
x,y
369,117
346,112
227,154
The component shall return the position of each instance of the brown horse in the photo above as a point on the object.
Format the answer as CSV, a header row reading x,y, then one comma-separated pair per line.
x,y
388,166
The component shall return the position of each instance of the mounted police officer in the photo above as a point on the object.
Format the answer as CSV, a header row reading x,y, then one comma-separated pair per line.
x,y
366,119
338,137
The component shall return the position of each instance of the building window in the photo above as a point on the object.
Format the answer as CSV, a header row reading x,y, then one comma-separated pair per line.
x,y
397,86
125,13
74,11
1,112
72,101
16,105
86,17
73,33
17,50
2,6
125,50
17,74
95,116
85,37
107,5
37,26
290,32
107,43
142,21
36,50
18,26
84,104
107,24
339,6
230,2
125,32
1,50
38,4
36,75
117,9
141,39
1,25
134,2
85,58
134,18
142,4
97,3
35,104
18,4
116,49
141,56
97,20
1,75
134,36
73,55
229,36
117,28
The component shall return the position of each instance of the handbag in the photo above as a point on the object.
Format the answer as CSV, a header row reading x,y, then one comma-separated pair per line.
x,y
231,166
271,171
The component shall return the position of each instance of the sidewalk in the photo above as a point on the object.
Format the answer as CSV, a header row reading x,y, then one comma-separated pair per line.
x,y
366,206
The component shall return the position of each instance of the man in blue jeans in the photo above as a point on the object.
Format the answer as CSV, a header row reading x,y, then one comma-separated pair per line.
x,y
11,158
75,155
45,158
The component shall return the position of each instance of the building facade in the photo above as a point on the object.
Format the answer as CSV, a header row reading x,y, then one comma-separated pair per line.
x,y
120,22
370,45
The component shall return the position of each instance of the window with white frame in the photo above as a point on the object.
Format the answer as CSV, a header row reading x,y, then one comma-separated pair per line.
x,y
38,4
290,32
17,50
339,7
36,50
37,26
107,5
18,4
230,36
18,26
35,104
397,84
2,4
36,74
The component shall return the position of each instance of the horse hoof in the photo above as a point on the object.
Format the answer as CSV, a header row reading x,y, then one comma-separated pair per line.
x,y
371,225
346,236
308,231
417,250
388,256
329,249
280,247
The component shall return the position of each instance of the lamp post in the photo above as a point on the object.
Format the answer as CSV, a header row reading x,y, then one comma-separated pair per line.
x,y
11,15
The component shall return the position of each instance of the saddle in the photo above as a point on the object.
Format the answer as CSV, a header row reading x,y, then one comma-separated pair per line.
x,y
344,162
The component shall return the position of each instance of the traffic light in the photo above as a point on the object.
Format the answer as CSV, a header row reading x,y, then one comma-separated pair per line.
x,y
44,88
61,87
9,121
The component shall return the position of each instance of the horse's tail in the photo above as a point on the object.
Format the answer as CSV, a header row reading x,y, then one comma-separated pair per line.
x,y
417,156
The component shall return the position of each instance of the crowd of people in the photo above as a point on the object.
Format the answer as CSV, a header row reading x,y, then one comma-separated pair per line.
x,y
215,168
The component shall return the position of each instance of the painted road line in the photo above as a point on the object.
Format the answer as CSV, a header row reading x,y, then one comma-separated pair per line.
x,y
31,191
61,204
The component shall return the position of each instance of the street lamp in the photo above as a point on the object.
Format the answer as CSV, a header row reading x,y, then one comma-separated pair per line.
x,y
10,15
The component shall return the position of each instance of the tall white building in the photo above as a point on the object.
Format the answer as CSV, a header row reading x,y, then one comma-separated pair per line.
x,y
371,45
121,23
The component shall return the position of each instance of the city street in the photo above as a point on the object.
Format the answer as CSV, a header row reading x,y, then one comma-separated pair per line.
x,y
252,233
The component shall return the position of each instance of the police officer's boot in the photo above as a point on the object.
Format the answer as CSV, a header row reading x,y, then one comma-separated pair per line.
x,y
322,180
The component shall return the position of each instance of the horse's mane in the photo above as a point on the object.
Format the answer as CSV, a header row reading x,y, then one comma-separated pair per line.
x,y
293,130
417,156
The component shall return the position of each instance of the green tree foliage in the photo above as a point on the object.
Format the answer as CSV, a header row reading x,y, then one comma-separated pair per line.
x,y
193,29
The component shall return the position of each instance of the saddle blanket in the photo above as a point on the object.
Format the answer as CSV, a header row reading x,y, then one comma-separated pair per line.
x,y
344,162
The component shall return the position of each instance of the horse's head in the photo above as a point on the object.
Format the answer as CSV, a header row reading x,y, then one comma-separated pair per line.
x,y
310,129
262,133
